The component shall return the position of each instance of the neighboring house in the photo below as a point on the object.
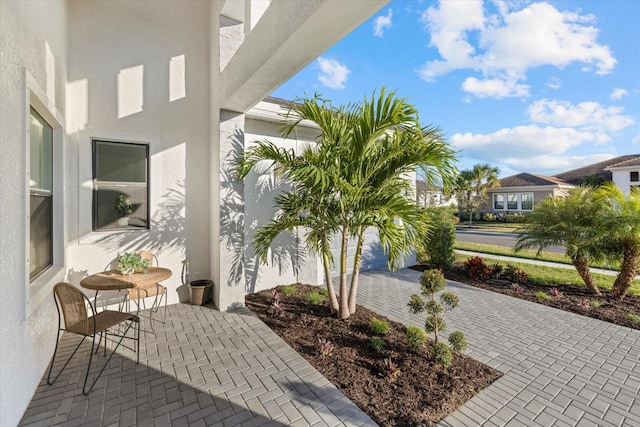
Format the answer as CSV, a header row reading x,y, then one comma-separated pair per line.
x,y
433,196
519,193
626,174
158,96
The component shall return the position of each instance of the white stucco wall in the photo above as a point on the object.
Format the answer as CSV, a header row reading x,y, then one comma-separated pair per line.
x,y
622,177
140,73
33,37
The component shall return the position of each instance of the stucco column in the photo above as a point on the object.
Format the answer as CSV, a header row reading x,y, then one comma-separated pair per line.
x,y
230,279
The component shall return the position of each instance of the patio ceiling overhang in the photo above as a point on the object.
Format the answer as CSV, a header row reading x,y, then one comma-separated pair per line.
x,y
288,36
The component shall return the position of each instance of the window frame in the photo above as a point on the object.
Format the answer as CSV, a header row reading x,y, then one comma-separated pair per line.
x,y
94,186
39,288
522,201
517,199
495,201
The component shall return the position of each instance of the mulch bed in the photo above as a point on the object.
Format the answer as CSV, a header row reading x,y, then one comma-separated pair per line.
x,y
574,298
422,393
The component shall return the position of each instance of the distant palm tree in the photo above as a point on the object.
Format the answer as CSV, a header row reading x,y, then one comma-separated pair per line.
x,y
593,180
619,222
471,186
570,221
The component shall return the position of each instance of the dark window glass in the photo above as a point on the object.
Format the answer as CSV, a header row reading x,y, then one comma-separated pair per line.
x,y
527,201
634,176
120,173
498,202
512,202
40,195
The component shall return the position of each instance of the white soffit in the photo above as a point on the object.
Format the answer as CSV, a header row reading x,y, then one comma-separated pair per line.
x,y
289,36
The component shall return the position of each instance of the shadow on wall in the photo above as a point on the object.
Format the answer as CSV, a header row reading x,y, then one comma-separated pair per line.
x,y
167,230
261,187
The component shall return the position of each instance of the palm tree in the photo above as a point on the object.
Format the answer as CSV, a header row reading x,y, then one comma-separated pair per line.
x,y
620,222
355,170
570,221
471,186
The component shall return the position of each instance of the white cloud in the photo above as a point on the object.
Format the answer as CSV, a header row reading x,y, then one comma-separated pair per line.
x,y
554,83
618,93
494,88
584,116
382,22
550,165
332,74
511,42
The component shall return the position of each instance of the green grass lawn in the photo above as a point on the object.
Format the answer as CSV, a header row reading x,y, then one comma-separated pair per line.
x,y
496,227
526,254
551,276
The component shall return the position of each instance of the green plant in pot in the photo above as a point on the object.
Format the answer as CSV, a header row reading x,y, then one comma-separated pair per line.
x,y
129,263
124,207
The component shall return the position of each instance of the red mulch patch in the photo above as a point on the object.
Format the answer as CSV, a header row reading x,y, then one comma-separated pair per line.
x,y
422,393
574,298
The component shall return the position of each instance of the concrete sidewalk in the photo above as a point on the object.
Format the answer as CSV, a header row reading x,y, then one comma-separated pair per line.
x,y
560,368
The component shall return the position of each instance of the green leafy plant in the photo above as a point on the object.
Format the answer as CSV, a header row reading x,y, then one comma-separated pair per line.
x,y
437,248
457,341
288,290
379,326
123,205
595,303
131,262
432,282
377,343
542,295
515,274
315,297
633,317
416,338
441,354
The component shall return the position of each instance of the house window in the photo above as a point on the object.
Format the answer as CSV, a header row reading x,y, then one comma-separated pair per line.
x,y
512,202
40,195
498,201
633,176
120,185
527,201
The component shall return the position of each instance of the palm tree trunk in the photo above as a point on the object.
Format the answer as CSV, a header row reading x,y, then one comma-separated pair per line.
x,y
333,300
355,274
343,303
582,267
627,273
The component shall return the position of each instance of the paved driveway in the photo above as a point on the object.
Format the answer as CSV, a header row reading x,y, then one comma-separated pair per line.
x,y
560,369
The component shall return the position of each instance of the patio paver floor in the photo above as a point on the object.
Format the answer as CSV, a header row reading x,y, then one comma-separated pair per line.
x,y
206,368
560,368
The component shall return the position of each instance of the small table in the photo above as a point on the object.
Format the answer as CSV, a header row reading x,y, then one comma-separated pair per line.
x,y
113,280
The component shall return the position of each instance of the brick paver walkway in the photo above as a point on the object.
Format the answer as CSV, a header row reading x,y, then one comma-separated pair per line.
x,y
202,368
560,369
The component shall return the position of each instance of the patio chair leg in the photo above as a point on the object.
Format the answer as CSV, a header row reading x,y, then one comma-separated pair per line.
x,y
49,380
95,380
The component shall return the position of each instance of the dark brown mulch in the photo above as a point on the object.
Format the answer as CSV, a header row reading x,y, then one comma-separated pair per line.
x,y
422,393
575,299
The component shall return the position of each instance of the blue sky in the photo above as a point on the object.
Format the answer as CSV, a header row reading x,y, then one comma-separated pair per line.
x,y
540,87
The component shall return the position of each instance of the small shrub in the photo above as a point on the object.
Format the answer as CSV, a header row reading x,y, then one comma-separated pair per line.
x,y
377,344
584,303
496,270
457,341
288,290
389,369
416,338
441,354
595,303
633,317
325,347
379,326
542,295
324,292
477,269
489,217
315,297
437,249
515,274
276,309
555,292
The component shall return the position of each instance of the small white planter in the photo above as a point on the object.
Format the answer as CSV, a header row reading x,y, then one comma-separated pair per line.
x,y
124,221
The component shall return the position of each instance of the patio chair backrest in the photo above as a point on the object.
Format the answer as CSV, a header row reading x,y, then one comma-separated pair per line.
x,y
72,303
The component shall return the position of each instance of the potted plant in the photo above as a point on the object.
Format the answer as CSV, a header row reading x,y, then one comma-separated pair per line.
x,y
129,263
123,207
